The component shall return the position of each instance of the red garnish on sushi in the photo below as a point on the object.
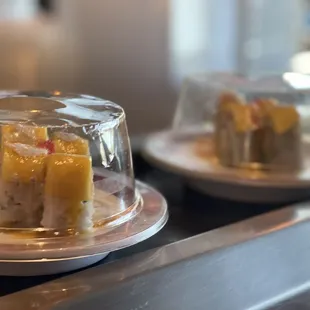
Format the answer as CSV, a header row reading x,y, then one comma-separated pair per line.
x,y
49,145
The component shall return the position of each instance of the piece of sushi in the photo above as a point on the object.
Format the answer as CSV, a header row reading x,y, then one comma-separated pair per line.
x,y
232,127
259,134
21,189
23,134
68,194
70,143
282,146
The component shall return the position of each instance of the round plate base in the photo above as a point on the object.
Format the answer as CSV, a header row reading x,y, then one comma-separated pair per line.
x,y
22,268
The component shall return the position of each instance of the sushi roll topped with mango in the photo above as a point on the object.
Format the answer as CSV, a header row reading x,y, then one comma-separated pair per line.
x,y
45,181
260,134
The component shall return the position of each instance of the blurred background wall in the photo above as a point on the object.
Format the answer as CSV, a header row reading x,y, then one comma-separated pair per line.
x,y
137,52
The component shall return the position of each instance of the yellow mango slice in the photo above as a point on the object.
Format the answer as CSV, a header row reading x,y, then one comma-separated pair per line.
x,y
235,106
69,178
23,163
283,118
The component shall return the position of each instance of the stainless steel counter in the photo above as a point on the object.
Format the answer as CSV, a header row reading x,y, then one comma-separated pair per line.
x,y
248,265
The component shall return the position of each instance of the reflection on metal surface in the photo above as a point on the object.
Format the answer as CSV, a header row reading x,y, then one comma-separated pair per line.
x,y
286,225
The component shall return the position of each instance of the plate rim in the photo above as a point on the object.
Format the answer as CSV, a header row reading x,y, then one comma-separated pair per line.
x,y
150,196
165,136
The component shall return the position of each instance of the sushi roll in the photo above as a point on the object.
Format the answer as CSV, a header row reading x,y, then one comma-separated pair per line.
x,y
70,143
24,134
21,190
232,128
283,144
258,134
68,193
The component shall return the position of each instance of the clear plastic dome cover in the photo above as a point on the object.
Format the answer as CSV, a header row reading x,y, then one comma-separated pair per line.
x,y
261,123
65,164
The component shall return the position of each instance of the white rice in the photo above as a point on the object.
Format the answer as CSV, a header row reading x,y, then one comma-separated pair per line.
x,y
26,150
56,215
21,205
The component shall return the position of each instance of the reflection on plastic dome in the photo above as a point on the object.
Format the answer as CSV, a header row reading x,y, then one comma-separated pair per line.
x,y
65,163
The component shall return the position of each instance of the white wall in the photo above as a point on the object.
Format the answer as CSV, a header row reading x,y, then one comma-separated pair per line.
x,y
271,35
124,55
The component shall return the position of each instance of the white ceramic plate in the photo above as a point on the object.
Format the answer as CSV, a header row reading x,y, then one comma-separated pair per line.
x,y
183,155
